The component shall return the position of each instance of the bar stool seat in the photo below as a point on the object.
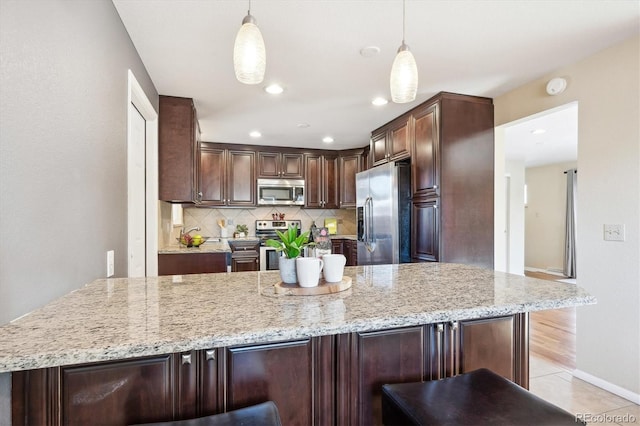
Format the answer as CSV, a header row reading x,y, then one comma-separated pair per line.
x,y
265,414
480,397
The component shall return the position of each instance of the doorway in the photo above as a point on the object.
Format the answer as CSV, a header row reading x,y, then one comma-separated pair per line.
x,y
142,183
533,152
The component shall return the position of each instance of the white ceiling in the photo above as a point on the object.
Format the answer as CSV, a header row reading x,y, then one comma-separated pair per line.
x,y
477,47
558,143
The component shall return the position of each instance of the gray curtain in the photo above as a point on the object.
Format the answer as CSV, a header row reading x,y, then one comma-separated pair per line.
x,y
570,225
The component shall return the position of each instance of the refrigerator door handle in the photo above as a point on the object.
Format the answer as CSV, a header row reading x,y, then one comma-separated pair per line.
x,y
370,244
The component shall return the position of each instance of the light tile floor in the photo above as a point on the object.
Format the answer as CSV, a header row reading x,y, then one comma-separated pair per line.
x,y
557,385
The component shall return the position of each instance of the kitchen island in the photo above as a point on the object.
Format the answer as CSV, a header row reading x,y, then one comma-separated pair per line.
x,y
183,346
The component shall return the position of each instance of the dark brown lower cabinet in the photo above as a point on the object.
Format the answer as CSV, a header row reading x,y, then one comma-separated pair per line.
x,y
191,263
327,380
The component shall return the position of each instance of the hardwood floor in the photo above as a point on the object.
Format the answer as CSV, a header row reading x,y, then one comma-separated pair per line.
x,y
553,332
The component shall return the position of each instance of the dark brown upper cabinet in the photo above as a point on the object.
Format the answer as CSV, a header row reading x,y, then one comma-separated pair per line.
x,y
321,181
283,165
350,164
178,138
226,176
391,142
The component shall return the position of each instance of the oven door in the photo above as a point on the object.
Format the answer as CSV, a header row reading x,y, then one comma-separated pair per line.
x,y
269,259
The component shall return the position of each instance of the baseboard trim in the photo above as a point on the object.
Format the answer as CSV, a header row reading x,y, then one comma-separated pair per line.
x,y
545,271
609,387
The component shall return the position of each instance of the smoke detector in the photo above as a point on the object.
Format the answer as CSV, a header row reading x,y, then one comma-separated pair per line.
x,y
555,86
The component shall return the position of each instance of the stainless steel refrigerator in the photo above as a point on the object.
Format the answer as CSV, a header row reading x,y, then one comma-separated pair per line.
x,y
383,201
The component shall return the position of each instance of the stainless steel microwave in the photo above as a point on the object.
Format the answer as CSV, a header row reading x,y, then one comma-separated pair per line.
x,y
282,192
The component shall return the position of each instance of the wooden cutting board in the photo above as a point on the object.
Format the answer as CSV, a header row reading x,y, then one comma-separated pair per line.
x,y
322,288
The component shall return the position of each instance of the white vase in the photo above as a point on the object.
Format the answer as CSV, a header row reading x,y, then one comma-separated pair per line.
x,y
287,270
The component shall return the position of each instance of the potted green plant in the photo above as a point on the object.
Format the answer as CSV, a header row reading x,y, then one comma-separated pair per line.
x,y
290,245
241,231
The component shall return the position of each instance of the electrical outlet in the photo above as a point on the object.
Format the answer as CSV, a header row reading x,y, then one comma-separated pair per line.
x,y
614,232
110,264
229,221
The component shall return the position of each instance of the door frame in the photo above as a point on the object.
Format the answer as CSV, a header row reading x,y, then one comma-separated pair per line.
x,y
138,98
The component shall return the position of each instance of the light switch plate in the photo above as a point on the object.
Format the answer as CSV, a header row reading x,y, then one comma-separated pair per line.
x,y
614,232
110,264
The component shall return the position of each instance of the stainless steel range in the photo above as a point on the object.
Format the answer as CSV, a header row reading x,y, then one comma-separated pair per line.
x,y
265,230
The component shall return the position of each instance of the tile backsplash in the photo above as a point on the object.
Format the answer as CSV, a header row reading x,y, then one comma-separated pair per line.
x,y
207,219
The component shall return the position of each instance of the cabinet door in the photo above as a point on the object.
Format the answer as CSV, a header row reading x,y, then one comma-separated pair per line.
x,y
124,392
269,164
292,166
389,356
398,143
379,147
351,252
241,188
337,246
330,182
212,176
177,148
425,244
211,401
296,375
191,263
313,181
425,165
349,166
245,263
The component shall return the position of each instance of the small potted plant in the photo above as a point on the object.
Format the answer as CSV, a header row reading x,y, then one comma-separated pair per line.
x,y
241,231
290,245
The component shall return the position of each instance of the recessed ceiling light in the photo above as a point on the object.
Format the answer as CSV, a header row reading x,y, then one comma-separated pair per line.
x,y
274,89
538,131
303,125
379,101
369,51
255,134
327,139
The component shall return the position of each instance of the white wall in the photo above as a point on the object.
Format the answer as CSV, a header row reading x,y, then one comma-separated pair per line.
x,y
606,87
515,170
63,156
499,203
545,215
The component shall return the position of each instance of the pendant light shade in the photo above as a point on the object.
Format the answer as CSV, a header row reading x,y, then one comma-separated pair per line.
x,y
404,72
404,76
249,54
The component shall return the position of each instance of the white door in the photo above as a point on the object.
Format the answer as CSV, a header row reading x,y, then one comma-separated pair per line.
x,y
137,193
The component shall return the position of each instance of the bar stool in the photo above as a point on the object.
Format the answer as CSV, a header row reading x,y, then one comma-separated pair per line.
x,y
265,414
480,397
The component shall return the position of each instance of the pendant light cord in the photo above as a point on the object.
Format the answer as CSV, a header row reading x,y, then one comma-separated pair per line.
x,y
249,11
403,18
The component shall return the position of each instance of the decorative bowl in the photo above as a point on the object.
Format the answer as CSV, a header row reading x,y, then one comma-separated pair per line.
x,y
189,241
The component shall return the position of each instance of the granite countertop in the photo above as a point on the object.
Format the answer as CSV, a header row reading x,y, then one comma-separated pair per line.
x,y
123,318
214,245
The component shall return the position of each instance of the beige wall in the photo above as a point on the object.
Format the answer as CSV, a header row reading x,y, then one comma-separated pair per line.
x,y
545,216
607,87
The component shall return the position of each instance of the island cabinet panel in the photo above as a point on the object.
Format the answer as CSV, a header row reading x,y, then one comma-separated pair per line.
x,y
296,375
377,358
118,393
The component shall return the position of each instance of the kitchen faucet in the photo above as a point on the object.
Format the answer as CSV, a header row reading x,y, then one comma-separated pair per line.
x,y
182,231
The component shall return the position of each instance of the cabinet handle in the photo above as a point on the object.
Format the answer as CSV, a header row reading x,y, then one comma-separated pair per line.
x,y
186,359
435,186
211,354
455,350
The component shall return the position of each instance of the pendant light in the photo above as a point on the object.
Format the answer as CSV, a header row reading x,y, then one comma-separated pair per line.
x,y
249,55
404,72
